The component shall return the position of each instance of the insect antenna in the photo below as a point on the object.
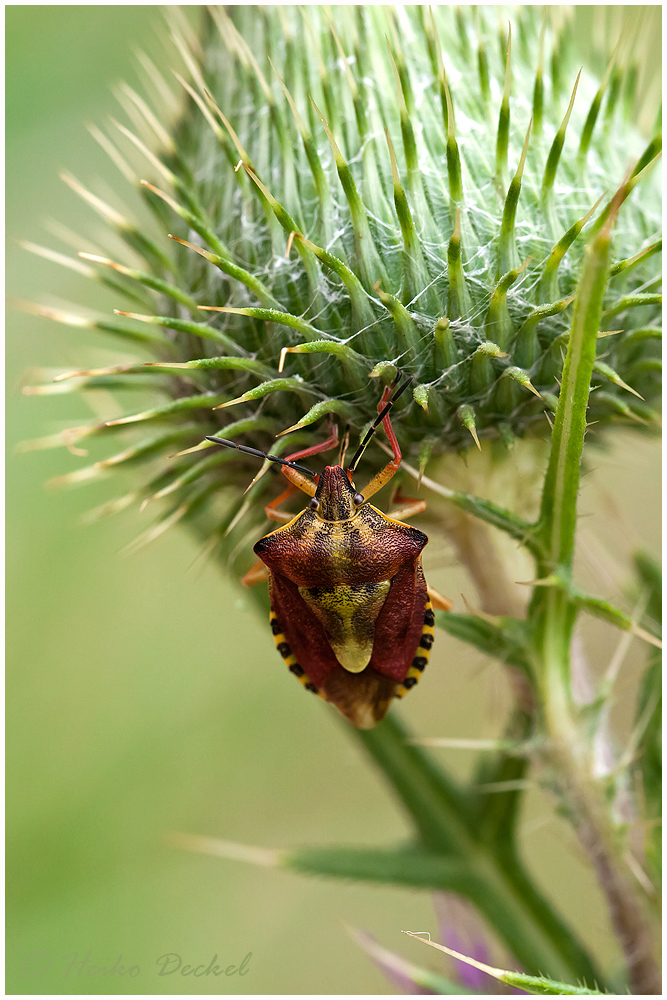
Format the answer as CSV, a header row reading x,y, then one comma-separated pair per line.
x,y
376,423
260,454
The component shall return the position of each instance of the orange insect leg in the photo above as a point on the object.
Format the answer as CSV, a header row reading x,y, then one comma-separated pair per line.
x,y
438,601
296,478
258,573
411,506
282,516
384,475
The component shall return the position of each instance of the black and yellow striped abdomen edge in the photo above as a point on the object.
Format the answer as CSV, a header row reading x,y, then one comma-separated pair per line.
x,y
421,655
415,671
288,656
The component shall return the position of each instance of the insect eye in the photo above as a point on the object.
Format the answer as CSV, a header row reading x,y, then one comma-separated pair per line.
x,y
357,499
314,504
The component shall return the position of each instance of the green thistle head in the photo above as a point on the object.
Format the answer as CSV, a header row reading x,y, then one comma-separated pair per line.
x,y
354,192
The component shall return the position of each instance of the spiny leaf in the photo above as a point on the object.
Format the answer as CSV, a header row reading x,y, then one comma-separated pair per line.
x,y
536,985
404,974
271,316
295,384
319,410
505,641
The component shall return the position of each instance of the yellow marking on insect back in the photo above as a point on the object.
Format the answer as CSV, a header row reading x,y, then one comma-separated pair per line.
x,y
348,613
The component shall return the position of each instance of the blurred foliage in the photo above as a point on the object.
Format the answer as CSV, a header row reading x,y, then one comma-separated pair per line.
x,y
142,694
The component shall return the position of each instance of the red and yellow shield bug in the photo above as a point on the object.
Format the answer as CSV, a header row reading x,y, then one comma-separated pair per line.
x,y
351,613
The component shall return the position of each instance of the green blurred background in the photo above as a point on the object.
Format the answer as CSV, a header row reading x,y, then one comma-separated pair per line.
x,y
144,695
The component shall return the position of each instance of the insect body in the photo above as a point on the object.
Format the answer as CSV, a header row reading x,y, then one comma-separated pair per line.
x,y
350,610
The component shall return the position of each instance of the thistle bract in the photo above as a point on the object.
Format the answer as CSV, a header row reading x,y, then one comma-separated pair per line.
x,y
351,192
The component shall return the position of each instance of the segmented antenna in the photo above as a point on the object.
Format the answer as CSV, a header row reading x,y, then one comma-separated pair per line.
x,y
376,423
260,454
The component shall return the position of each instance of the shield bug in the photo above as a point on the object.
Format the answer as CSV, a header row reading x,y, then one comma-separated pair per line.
x,y
351,613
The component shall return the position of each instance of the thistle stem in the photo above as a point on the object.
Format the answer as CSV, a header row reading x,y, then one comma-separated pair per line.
x,y
553,614
498,885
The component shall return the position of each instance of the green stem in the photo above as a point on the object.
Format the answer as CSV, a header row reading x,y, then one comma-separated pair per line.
x,y
499,886
553,613
552,609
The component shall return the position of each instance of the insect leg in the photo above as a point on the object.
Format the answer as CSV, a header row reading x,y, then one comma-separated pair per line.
x,y
438,601
384,475
280,515
258,573
411,506
384,406
343,447
409,510
314,449
296,479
